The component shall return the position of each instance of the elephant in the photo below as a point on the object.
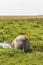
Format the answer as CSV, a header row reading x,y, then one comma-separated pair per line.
x,y
21,42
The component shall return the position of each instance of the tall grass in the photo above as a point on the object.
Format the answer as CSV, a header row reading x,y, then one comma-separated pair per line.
x,y
33,29
17,57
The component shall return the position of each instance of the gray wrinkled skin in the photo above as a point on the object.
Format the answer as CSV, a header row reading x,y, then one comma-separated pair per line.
x,y
21,42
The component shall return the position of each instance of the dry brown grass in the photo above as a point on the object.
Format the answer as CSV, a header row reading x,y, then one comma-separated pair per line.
x,y
19,17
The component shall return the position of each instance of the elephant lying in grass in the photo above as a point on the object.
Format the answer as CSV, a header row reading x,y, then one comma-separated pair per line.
x,y
21,42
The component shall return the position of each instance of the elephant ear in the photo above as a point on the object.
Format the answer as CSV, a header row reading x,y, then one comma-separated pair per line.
x,y
27,44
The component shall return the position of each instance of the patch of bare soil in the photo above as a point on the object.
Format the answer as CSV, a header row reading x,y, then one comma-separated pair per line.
x,y
19,17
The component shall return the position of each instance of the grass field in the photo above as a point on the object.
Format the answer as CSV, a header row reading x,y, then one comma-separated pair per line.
x,y
30,27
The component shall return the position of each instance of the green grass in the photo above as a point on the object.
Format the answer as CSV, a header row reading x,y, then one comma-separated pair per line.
x,y
17,57
33,29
